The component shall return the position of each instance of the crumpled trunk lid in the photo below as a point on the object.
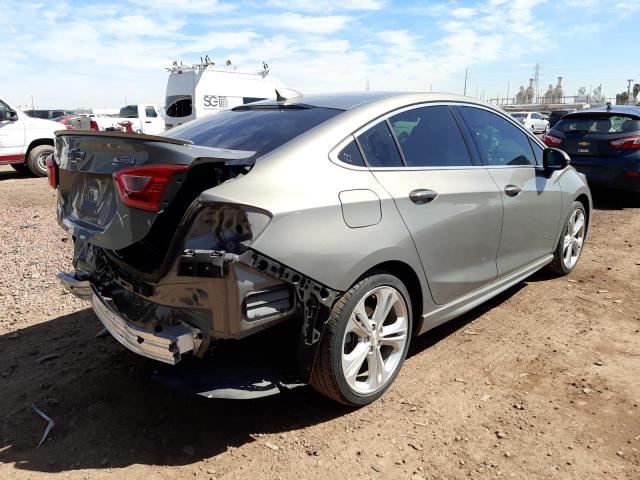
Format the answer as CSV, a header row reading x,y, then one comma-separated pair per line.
x,y
89,204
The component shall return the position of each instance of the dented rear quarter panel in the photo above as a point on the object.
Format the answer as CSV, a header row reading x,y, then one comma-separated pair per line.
x,y
300,187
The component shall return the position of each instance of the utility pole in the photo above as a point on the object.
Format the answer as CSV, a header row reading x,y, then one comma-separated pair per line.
x,y
536,78
466,72
629,90
507,93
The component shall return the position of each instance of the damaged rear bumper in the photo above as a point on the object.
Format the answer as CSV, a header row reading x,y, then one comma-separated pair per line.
x,y
166,346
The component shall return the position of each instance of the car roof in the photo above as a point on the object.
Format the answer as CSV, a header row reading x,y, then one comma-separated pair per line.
x,y
353,100
622,109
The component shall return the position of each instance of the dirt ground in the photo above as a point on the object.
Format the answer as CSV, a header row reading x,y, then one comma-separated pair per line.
x,y
542,382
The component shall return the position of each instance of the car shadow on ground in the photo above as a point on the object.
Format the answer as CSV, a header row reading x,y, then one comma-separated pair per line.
x,y
11,174
108,413
613,200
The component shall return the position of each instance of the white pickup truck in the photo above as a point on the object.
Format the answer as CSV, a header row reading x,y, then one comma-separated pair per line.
x,y
25,142
141,118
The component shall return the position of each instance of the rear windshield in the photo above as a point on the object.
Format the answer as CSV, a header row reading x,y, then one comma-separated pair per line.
x,y
598,123
261,129
518,115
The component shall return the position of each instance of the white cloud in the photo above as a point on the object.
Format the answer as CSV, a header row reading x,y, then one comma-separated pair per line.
x,y
326,5
463,12
186,6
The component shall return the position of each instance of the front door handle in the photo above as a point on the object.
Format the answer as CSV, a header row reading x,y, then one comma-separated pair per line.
x,y
512,190
422,196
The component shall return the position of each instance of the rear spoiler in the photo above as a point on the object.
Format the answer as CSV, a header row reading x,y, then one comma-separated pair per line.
x,y
198,154
130,135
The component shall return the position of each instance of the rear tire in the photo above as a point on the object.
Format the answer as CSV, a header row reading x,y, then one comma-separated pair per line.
x,y
569,248
362,349
21,168
37,158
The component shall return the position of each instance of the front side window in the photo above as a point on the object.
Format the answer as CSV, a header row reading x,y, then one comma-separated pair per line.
x,y
179,106
379,147
150,112
498,141
430,137
259,130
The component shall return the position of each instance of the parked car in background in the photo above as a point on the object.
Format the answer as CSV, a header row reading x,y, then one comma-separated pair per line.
x,y
604,144
363,219
25,142
66,121
532,121
49,114
556,115
140,118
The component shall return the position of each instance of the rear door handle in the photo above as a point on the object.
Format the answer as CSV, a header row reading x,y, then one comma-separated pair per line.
x,y
422,196
512,190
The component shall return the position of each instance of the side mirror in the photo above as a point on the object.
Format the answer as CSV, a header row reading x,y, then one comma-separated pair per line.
x,y
9,115
554,159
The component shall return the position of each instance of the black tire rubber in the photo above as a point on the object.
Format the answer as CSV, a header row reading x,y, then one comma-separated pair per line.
x,y
557,266
32,161
21,168
327,376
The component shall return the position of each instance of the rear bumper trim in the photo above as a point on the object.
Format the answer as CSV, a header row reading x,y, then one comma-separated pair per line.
x,y
80,288
166,346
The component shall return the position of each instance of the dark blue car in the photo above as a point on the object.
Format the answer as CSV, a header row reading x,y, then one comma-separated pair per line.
x,y
604,144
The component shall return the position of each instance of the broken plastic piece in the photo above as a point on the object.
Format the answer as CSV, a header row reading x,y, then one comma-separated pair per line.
x,y
50,424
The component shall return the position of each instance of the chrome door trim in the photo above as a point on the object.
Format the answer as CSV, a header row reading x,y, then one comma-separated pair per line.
x,y
333,153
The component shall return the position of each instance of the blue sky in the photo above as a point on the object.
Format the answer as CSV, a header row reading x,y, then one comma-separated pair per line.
x,y
70,53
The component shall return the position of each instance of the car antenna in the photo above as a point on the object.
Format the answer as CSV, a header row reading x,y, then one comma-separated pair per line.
x,y
286,94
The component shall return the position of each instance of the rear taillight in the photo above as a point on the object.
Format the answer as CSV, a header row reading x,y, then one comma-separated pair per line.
x,y
551,140
144,187
52,172
628,143
93,125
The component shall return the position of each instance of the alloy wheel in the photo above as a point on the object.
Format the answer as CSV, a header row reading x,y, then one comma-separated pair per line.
x,y
573,238
374,340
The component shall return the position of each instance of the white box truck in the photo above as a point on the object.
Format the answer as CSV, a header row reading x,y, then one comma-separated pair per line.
x,y
204,89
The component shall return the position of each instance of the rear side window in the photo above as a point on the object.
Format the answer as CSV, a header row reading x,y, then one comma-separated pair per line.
x,y
179,106
598,123
254,129
430,137
150,112
379,147
351,155
130,111
499,142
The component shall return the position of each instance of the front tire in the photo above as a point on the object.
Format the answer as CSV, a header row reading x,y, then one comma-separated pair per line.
x,y
365,341
569,248
37,159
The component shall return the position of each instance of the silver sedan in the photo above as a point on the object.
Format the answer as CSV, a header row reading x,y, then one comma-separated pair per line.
x,y
363,219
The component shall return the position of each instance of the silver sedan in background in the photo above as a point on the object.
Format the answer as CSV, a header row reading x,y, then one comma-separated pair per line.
x,y
364,219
